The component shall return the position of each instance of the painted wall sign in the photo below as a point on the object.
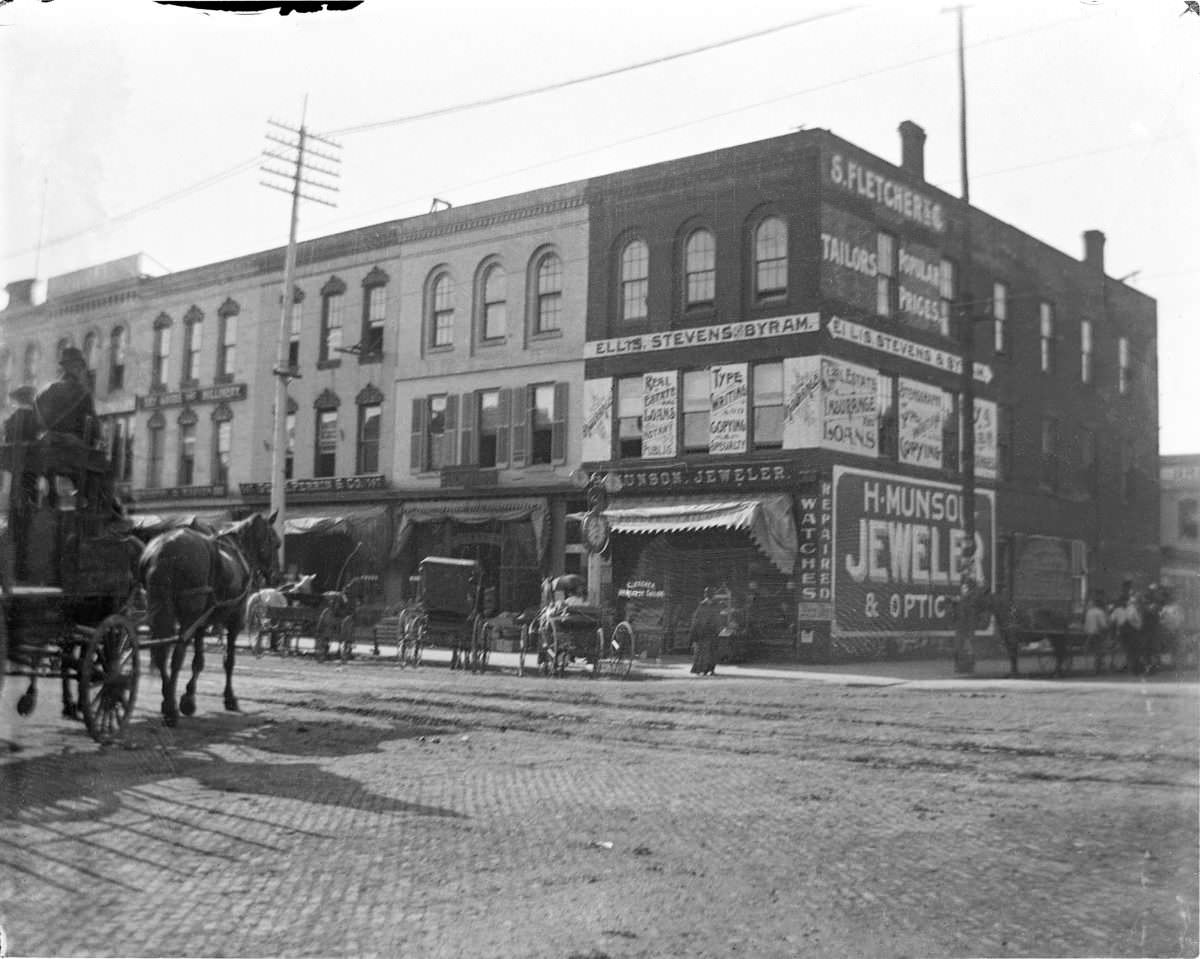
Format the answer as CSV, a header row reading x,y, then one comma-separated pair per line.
x,y
849,407
209,394
597,419
920,423
986,430
704,335
849,255
685,477
813,571
920,304
727,423
898,547
642,589
850,176
883,342
660,414
325,484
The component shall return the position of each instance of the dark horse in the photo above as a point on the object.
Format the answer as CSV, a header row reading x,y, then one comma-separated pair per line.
x,y
194,581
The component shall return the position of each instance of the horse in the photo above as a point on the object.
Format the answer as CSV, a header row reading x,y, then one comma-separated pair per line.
x,y
272,597
193,580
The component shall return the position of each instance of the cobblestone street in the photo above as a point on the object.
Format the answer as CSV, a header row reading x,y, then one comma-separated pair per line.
x,y
368,810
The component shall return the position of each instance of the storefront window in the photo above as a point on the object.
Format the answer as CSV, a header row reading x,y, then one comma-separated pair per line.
x,y
629,415
768,405
697,407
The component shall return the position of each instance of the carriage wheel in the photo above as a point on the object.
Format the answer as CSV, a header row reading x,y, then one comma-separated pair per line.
x,y
346,637
326,632
618,654
108,678
255,628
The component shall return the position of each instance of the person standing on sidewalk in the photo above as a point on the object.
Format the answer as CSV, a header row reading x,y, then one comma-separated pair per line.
x,y
1095,628
706,625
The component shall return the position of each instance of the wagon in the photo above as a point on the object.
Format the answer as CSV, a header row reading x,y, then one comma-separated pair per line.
x,y
566,632
446,613
327,617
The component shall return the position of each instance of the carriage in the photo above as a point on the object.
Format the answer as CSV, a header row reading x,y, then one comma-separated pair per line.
x,y
278,619
447,612
67,616
566,631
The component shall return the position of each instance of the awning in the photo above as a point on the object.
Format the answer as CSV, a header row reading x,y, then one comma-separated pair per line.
x,y
768,520
368,525
473,511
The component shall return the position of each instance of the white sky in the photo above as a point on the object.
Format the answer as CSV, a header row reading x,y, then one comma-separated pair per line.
x,y
1083,114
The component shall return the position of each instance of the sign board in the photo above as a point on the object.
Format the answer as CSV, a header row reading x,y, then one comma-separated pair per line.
x,y
729,397
884,342
920,423
897,552
719,335
849,407
597,419
986,431
687,477
642,589
660,414
325,484
801,402
851,176
182,492
209,394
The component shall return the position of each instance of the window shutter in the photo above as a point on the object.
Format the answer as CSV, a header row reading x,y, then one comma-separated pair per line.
x,y
558,434
470,407
505,403
520,425
451,440
416,451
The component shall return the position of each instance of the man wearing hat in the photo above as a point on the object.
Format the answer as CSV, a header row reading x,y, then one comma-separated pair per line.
x,y
20,430
68,414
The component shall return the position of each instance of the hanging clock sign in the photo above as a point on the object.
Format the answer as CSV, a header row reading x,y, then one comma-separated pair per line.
x,y
596,531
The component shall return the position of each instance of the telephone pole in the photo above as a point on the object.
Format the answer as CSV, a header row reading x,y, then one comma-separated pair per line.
x,y
292,148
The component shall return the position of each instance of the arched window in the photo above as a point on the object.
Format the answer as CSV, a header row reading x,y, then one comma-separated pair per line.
x,y
91,356
700,268
116,359
635,282
441,318
187,448
328,434
770,259
60,346
162,352
193,341
374,314
156,427
332,297
222,418
495,305
548,294
370,419
33,364
227,342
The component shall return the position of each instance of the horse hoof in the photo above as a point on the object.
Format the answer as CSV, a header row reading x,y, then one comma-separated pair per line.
x,y
25,704
70,711
231,704
187,705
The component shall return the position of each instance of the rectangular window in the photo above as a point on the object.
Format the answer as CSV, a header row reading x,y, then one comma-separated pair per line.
x,y
227,356
1049,475
1005,436
193,337
950,431
948,283
154,460
1123,365
162,353
885,277
489,427
1085,351
289,461
222,452
116,368
369,419
373,324
325,461
999,318
187,456
768,405
435,433
1046,321
294,335
630,393
120,447
1088,462
697,408
443,312
541,423
889,419
331,328
549,294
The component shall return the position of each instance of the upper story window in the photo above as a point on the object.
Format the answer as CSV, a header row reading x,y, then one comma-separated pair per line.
x,y
120,447
495,303
91,351
700,268
1005,441
697,409
156,427
295,326
886,286
222,452
32,365
948,285
999,317
5,375
1046,338
227,340
491,427
187,449
630,395
1189,518
193,340
1123,365
374,314
325,455
289,460
370,418
770,259
548,300
542,418
162,351
442,311
635,280
433,432
768,405
333,296
1085,351
116,359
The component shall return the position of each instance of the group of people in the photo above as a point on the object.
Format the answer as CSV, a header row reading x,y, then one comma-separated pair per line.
x,y
1145,627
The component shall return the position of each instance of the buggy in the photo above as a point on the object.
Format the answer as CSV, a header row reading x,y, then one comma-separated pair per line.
x,y
447,612
565,631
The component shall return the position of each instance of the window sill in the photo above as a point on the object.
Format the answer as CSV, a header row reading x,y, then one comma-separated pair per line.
x,y
546,335
493,342
222,378
440,348
328,364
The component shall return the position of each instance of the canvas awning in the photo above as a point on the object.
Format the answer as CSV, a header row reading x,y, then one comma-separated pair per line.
x,y
768,520
368,525
536,509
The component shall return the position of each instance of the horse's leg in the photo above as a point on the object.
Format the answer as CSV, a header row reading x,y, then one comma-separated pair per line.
x,y
170,682
231,635
187,702
161,617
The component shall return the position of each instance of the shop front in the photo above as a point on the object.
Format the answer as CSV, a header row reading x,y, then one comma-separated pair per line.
x,y
337,544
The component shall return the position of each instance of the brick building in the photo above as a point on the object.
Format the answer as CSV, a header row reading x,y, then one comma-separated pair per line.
x,y
1181,533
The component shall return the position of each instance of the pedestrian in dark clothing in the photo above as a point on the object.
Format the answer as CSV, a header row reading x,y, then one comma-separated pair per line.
x,y
706,625
21,430
69,415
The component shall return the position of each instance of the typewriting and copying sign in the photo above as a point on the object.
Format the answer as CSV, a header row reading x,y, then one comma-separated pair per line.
x,y
660,406
986,430
849,407
209,394
727,430
898,552
884,342
597,419
853,177
920,424
704,335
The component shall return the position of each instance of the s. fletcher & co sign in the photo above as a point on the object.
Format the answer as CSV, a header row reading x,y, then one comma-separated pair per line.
x,y
209,394
685,477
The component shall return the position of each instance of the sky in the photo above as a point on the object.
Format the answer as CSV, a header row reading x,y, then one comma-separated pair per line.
x,y
135,127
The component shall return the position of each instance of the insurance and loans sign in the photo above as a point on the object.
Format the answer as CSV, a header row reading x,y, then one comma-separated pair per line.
x,y
898,552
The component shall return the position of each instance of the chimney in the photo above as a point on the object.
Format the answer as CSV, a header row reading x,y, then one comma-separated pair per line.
x,y
1093,249
20,293
912,149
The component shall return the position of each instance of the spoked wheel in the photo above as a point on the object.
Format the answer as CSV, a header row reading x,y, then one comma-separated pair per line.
x,y
619,651
326,633
254,628
108,678
346,638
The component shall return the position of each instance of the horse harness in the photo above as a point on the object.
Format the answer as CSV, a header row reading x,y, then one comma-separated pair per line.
x,y
215,544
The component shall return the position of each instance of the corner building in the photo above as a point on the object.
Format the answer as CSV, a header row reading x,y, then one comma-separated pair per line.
x,y
773,369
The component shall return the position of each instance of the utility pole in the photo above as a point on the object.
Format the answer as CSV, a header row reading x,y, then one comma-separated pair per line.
x,y
964,653
295,146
